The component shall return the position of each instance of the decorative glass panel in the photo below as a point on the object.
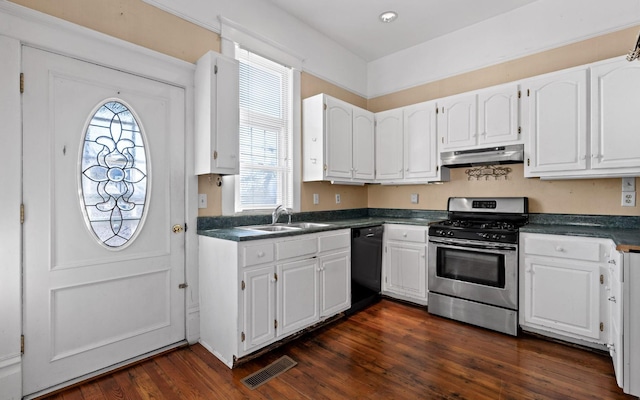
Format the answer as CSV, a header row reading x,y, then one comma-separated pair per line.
x,y
114,176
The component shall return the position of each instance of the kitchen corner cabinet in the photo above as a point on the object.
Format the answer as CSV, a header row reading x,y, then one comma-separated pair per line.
x,y
338,141
404,263
255,293
406,145
556,121
565,286
216,115
389,145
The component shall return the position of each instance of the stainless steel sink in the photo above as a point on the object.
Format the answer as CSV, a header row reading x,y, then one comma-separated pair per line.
x,y
283,227
308,225
270,228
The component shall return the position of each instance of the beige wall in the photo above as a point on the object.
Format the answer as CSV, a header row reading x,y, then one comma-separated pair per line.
x,y
142,24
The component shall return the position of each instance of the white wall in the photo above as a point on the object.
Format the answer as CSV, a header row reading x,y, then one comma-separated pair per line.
x,y
10,234
322,56
539,26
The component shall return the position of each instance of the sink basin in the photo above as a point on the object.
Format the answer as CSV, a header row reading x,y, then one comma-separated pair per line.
x,y
308,225
270,228
283,227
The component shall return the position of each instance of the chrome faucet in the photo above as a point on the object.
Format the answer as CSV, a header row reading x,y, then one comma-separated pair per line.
x,y
278,212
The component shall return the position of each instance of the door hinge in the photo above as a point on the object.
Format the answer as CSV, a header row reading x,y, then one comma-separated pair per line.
x,y
215,69
215,154
242,285
437,111
183,286
519,93
528,162
275,324
519,130
324,106
437,168
185,226
21,82
275,276
21,344
601,279
21,214
242,336
528,93
601,326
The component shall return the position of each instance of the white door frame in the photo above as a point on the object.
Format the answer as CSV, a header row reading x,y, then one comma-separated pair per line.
x,y
21,25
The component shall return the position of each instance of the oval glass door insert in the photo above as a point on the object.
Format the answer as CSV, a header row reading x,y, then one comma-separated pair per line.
x,y
114,175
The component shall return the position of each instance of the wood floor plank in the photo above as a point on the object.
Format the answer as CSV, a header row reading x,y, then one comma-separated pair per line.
x,y
388,351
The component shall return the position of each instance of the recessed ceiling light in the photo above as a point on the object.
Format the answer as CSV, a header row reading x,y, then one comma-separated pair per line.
x,y
388,16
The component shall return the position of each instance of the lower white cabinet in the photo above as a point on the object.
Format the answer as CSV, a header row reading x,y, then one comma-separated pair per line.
x,y
564,286
257,292
404,263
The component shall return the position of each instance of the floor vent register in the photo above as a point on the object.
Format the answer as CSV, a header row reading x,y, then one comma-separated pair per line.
x,y
269,372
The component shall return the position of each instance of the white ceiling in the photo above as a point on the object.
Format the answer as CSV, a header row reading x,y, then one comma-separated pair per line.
x,y
355,25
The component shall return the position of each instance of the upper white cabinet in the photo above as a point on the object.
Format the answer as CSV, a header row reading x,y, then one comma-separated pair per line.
x,y
457,121
555,119
498,115
338,141
216,115
406,145
615,126
389,145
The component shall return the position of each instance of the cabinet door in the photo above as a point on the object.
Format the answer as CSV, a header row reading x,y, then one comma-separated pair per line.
x,y
297,295
457,123
498,115
406,269
614,300
562,296
338,125
259,306
556,122
363,145
420,157
389,145
335,283
615,126
217,115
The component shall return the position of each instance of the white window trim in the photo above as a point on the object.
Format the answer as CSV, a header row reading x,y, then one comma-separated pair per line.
x,y
232,33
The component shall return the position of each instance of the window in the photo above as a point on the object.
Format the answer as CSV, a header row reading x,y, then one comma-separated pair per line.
x,y
266,148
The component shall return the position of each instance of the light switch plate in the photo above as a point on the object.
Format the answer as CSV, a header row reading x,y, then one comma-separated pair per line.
x,y
629,184
414,198
337,198
628,199
316,198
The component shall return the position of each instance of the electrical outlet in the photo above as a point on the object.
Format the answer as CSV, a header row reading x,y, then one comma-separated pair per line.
x,y
316,198
414,198
628,199
337,198
629,184
202,200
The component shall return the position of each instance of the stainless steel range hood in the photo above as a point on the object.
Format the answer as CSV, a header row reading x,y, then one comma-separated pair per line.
x,y
511,154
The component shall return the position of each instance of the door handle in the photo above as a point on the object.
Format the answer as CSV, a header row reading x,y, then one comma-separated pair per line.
x,y
177,228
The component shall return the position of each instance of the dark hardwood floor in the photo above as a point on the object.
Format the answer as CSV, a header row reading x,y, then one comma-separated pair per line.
x,y
389,351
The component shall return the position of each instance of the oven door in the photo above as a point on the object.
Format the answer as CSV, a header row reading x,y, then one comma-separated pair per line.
x,y
485,272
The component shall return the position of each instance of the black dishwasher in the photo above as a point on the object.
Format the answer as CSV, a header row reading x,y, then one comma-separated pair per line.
x,y
366,267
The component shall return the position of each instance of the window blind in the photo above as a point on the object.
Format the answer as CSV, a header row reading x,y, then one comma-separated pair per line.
x,y
265,133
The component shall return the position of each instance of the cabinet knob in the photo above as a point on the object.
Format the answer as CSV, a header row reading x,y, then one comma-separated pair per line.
x,y
404,234
313,160
314,139
560,249
260,254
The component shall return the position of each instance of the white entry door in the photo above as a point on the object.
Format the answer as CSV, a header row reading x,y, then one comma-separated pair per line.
x,y
103,155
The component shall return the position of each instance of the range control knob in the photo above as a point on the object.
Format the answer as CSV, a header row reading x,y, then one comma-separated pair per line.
x,y
450,233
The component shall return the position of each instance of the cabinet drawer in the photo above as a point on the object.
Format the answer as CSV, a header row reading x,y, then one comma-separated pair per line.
x,y
297,248
406,234
563,248
334,242
258,254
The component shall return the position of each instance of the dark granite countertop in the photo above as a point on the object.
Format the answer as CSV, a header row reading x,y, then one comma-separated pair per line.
x,y
241,235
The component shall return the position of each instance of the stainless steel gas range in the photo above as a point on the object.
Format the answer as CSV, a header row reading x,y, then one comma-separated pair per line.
x,y
473,262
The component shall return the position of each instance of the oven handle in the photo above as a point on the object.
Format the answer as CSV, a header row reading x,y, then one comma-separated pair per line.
x,y
473,245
